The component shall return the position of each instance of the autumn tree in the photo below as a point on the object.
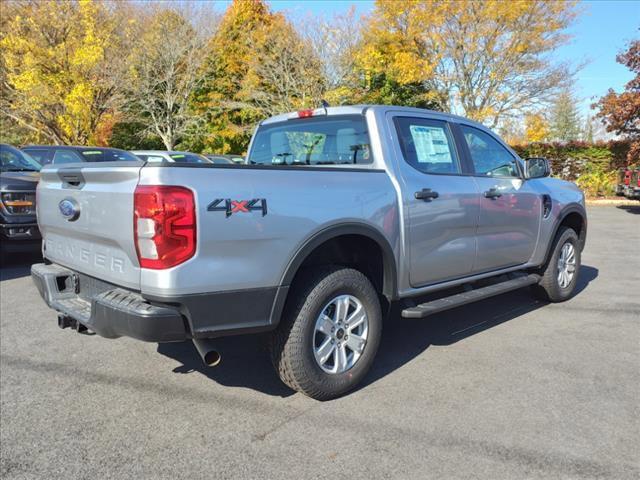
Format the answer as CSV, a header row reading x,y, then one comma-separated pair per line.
x,y
165,70
256,65
536,128
335,42
485,59
62,67
284,73
621,112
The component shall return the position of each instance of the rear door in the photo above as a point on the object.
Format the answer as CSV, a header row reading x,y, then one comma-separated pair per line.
x,y
440,200
85,215
510,210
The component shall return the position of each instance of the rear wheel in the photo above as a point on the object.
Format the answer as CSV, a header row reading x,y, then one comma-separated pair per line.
x,y
329,334
560,274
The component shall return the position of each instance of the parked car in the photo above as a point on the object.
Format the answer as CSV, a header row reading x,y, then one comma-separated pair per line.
x,y
59,154
171,157
19,175
338,213
623,180
225,159
632,189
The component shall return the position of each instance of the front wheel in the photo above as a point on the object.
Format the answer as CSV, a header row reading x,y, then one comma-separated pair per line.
x,y
329,334
560,275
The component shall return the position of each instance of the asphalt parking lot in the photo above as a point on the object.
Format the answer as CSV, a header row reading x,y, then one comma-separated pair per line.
x,y
506,388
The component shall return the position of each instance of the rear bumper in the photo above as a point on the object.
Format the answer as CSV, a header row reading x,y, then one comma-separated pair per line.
x,y
109,311
112,311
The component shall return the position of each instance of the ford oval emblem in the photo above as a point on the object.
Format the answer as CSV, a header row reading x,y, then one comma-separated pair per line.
x,y
69,209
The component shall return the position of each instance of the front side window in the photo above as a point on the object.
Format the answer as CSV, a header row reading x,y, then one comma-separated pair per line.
x,y
322,140
427,145
489,157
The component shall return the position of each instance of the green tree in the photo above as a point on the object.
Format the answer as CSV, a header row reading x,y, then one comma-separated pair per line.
x,y
565,118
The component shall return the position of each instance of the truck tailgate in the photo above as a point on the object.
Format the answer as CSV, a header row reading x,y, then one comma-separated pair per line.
x,y
85,214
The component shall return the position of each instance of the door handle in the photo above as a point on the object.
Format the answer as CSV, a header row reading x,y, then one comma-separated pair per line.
x,y
492,193
426,194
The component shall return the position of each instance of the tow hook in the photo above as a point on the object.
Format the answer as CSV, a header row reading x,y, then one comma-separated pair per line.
x,y
65,321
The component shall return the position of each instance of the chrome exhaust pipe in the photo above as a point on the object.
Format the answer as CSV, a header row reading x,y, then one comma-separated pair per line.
x,y
207,350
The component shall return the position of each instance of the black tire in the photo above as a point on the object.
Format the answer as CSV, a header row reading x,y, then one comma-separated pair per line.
x,y
292,343
549,289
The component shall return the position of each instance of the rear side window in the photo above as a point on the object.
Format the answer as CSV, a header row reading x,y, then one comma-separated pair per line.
x,y
333,140
66,156
427,145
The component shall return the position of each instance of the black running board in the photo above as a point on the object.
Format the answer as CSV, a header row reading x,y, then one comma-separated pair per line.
x,y
441,304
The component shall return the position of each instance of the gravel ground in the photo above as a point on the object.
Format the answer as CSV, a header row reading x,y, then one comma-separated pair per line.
x,y
507,388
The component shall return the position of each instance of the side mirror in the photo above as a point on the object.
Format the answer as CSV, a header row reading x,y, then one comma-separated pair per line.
x,y
537,167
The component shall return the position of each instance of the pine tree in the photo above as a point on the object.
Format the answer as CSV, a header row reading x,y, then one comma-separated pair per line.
x,y
565,119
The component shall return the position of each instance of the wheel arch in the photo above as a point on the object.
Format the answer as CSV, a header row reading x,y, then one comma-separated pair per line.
x,y
388,287
389,283
573,216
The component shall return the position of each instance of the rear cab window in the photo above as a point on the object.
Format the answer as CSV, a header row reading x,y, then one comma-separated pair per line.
x,y
322,140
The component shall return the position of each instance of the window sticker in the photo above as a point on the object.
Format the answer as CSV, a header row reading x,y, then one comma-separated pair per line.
x,y
431,144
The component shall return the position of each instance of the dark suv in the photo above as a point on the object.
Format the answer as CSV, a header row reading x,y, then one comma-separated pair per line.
x,y
58,154
18,180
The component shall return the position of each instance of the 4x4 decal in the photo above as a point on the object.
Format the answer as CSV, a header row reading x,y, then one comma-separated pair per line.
x,y
238,206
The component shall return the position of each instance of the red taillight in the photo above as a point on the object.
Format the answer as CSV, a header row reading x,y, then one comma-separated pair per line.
x,y
164,225
305,113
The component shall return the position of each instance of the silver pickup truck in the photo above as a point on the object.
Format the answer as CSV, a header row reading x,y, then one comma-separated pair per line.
x,y
337,213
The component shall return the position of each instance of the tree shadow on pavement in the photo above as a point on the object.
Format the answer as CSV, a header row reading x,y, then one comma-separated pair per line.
x,y
634,209
246,363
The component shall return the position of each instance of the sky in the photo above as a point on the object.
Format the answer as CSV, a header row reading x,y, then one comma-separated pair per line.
x,y
601,31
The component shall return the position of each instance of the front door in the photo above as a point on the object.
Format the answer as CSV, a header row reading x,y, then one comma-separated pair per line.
x,y
510,210
441,203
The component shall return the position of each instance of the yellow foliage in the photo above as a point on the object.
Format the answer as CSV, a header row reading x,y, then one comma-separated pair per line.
x,y
474,53
536,128
54,53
